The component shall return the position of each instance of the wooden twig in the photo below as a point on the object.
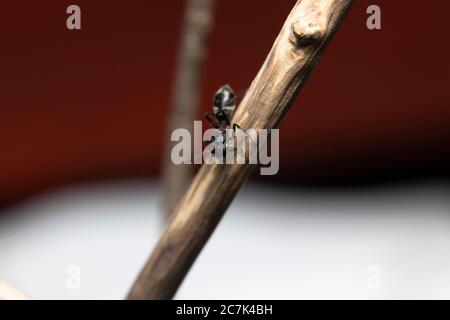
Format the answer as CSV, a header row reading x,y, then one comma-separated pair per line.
x,y
8,292
197,25
304,36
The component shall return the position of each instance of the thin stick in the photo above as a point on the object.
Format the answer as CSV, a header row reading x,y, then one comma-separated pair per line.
x,y
304,36
197,25
8,292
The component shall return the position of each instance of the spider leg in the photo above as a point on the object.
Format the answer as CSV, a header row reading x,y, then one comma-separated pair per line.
x,y
235,125
208,142
210,116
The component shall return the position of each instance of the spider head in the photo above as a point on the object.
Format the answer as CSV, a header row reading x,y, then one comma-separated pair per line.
x,y
224,100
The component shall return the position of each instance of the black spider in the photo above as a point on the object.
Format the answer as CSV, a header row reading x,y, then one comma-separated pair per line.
x,y
224,103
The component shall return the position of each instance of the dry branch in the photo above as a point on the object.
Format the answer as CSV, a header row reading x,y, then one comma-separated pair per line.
x,y
197,25
305,34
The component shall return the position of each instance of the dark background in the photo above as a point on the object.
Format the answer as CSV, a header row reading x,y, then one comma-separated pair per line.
x,y
91,104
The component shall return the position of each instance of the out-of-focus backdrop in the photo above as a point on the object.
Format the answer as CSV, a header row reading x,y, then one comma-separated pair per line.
x,y
362,190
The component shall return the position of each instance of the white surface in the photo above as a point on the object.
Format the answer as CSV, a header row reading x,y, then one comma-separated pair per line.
x,y
272,244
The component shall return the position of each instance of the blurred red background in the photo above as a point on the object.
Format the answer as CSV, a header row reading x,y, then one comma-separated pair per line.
x,y
91,104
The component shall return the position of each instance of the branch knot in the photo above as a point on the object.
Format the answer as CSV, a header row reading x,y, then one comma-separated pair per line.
x,y
307,33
